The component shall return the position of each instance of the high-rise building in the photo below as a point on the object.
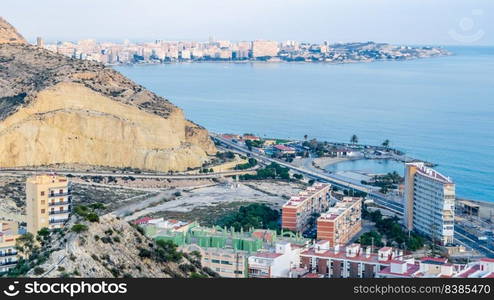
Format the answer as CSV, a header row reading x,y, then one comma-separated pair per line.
x,y
40,42
8,252
48,202
264,48
342,222
429,202
297,211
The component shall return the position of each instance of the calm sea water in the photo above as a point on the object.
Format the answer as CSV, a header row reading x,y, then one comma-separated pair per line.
x,y
377,166
439,109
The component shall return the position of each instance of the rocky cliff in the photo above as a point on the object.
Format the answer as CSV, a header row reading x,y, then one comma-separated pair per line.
x,y
113,248
58,110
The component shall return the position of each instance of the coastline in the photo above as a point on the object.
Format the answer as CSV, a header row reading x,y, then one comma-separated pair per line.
x,y
324,162
278,61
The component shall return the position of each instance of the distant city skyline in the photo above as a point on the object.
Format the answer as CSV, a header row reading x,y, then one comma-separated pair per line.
x,y
441,22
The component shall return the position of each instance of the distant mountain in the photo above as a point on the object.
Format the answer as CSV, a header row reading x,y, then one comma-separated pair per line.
x,y
57,110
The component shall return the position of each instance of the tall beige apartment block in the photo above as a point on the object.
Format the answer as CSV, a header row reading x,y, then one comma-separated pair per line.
x,y
48,202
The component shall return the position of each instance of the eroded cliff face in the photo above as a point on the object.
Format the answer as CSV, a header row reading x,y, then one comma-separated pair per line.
x,y
8,34
57,110
71,124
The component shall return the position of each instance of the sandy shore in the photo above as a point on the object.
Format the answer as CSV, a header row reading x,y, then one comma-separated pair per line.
x,y
323,162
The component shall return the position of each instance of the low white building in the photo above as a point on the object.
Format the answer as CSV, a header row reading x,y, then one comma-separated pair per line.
x,y
277,264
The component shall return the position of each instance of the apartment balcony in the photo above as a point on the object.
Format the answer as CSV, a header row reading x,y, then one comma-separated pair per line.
x,y
59,212
58,221
53,195
69,200
7,254
8,263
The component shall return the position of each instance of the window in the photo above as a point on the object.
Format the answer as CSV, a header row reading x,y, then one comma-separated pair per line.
x,y
42,202
215,261
42,193
60,191
42,210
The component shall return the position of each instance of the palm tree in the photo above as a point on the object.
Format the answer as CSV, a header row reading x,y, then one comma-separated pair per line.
x,y
354,139
305,137
385,144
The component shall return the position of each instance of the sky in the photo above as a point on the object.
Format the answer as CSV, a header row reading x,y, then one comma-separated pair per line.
x,y
415,22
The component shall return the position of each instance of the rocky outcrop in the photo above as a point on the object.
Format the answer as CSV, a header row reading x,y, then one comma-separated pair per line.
x,y
58,110
8,34
113,248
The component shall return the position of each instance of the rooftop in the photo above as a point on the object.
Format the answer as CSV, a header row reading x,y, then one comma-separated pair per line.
x,y
431,173
340,207
304,195
411,269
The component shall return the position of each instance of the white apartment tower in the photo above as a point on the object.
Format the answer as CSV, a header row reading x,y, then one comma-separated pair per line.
x,y
429,202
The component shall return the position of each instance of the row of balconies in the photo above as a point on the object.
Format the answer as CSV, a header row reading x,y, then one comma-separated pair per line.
x,y
69,200
6,254
8,263
58,221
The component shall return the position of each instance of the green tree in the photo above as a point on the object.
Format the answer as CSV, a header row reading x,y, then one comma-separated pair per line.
x,y
385,144
354,139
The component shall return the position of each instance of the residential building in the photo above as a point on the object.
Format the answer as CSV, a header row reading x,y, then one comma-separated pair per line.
x,y
277,263
342,222
429,202
351,261
283,150
48,202
483,268
40,42
228,263
264,48
222,250
8,251
433,267
297,211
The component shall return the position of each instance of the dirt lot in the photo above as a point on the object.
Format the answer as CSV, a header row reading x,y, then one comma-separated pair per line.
x,y
206,204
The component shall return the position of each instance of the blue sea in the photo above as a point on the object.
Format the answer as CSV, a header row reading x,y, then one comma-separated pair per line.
x,y
436,109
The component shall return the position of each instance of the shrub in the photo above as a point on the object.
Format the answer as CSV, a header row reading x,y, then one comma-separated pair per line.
x,y
92,217
97,205
186,268
78,228
106,240
44,232
39,271
144,253
81,210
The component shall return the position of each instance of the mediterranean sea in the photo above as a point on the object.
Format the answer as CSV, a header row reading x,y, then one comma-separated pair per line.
x,y
436,109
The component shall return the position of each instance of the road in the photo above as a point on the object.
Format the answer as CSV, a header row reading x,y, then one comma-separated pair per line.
x,y
135,175
379,198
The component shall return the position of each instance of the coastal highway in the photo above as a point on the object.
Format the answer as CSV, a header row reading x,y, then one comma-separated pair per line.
x,y
379,198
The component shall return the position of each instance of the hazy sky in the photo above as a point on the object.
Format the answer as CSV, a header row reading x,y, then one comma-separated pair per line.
x,y
440,22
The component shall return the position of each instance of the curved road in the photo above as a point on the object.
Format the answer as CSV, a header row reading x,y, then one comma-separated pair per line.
x,y
379,198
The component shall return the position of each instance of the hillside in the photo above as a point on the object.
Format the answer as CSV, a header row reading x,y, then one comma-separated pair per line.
x,y
113,248
58,110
